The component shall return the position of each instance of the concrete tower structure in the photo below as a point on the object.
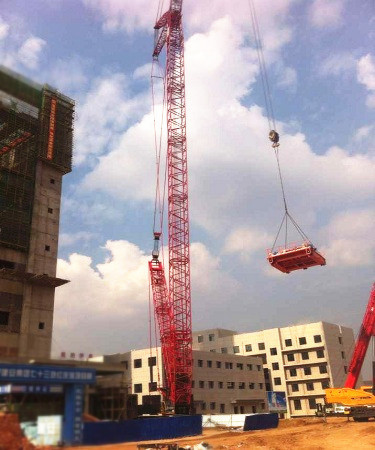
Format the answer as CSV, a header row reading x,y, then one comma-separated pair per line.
x,y
36,135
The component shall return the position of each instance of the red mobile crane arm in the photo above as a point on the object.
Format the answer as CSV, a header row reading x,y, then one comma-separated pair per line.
x,y
178,345
366,332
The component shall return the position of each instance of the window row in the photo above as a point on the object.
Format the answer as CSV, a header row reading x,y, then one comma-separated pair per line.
x,y
308,370
227,365
298,405
200,339
237,409
228,384
303,341
295,387
152,387
137,363
290,357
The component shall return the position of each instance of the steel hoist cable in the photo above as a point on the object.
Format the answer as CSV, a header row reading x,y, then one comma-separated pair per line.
x,y
273,134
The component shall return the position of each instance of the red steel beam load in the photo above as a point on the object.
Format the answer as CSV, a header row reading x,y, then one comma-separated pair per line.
x,y
295,257
18,139
366,332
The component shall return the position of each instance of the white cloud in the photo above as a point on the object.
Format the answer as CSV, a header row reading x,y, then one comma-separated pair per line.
x,y
30,50
68,75
99,298
68,239
350,239
338,64
326,13
104,114
232,169
246,241
363,132
4,29
366,76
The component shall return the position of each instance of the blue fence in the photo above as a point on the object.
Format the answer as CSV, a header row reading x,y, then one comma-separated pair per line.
x,y
261,422
96,433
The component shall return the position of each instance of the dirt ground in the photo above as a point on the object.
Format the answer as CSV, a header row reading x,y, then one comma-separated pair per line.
x,y
309,434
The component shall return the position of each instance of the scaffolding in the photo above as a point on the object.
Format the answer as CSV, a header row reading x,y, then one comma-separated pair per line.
x,y
36,123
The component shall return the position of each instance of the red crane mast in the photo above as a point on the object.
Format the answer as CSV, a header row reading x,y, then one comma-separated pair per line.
x,y
366,332
174,317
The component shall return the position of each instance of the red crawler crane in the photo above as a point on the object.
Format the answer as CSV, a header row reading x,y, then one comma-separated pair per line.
x,y
173,311
366,332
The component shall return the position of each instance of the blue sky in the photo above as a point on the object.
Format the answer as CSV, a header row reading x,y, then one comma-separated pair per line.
x,y
321,64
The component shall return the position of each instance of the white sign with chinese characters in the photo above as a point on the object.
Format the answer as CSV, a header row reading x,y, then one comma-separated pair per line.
x,y
49,430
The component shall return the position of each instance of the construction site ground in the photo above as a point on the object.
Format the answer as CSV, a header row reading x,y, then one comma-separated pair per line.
x,y
309,434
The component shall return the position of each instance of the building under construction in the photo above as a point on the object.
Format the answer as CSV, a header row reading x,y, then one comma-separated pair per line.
x,y
36,140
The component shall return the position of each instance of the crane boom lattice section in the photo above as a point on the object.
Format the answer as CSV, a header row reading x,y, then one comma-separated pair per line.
x,y
169,32
366,332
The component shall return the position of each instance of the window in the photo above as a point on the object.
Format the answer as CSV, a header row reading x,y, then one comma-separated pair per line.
x,y
340,340
212,405
261,346
260,385
310,386
241,385
52,181
277,381
275,366
193,384
210,385
262,406
50,210
305,355
258,367
47,248
295,387
249,366
254,409
138,388
200,362
201,384
4,318
320,353
307,370
222,407
251,385
224,350
248,348
266,374
209,364
240,366
288,342
290,356
293,372
203,406
242,410
218,364
230,384
343,355
153,386
41,326
236,349
229,365
126,364
213,350
137,364
345,369
268,387
273,351
200,338
323,369
152,361
317,338
325,384
297,405
211,337
4,264
235,409
221,385
312,403
302,341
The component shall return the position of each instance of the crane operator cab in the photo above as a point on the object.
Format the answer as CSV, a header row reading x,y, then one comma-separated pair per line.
x,y
155,251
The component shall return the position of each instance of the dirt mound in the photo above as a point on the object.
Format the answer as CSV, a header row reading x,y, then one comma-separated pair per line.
x,y
11,436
